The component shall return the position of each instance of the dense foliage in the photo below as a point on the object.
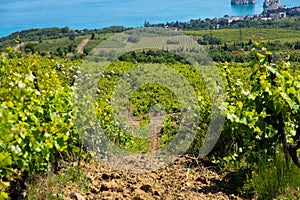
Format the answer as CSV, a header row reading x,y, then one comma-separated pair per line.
x,y
262,113
41,34
36,124
143,100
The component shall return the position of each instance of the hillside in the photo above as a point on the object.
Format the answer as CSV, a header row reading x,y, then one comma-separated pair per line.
x,y
64,41
227,44
50,98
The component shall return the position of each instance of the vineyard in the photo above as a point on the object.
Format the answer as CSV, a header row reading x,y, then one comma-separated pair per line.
x,y
37,127
246,34
38,120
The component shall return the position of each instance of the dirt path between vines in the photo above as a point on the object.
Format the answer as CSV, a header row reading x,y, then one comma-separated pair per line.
x,y
18,46
82,44
187,178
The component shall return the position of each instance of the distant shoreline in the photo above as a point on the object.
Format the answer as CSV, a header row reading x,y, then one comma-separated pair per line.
x,y
263,16
82,14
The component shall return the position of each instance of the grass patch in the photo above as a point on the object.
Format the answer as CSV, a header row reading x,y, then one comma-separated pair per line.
x,y
95,42
277,180
52,45
56,186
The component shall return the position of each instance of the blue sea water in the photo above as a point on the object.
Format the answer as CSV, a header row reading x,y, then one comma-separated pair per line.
x,y
16,15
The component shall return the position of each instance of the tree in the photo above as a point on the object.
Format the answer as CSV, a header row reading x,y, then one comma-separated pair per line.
x,y
146,24
30,47
209,39
133,39
93,36
72,37
66,29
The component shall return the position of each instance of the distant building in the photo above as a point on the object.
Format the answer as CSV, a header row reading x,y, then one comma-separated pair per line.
x,y
171,28
265,18
278,15
232,19
293,11
282,14
228,20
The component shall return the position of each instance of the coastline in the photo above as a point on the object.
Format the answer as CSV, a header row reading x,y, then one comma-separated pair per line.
x,y
237,10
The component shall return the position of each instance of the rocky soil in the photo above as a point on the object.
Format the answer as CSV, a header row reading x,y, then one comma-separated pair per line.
x,y
187,178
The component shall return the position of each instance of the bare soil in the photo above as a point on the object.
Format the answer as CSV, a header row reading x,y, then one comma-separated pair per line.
x,y
82,44
18,46
187,178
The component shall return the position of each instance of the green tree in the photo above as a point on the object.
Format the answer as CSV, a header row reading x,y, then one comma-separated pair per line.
x,y
72,37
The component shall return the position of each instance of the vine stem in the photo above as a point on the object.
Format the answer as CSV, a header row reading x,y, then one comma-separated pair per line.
x,y
36,84
289,149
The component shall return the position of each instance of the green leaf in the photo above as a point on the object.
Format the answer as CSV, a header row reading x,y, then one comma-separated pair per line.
x,y
5,159
272,68
3,195
239,104
53,115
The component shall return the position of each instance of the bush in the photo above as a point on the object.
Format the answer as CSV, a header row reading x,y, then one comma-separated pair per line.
x,y
133,39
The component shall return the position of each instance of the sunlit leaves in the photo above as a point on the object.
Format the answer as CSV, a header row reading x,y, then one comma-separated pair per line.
x,y
36,114
145,99
254,105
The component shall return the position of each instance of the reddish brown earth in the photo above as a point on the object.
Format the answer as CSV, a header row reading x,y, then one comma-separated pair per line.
x,y
82,45
187,178
18,46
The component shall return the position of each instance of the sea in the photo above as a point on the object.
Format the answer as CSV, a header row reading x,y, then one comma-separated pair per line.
x,y
17,15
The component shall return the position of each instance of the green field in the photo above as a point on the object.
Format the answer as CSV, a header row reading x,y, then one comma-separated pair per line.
x,y
246,34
